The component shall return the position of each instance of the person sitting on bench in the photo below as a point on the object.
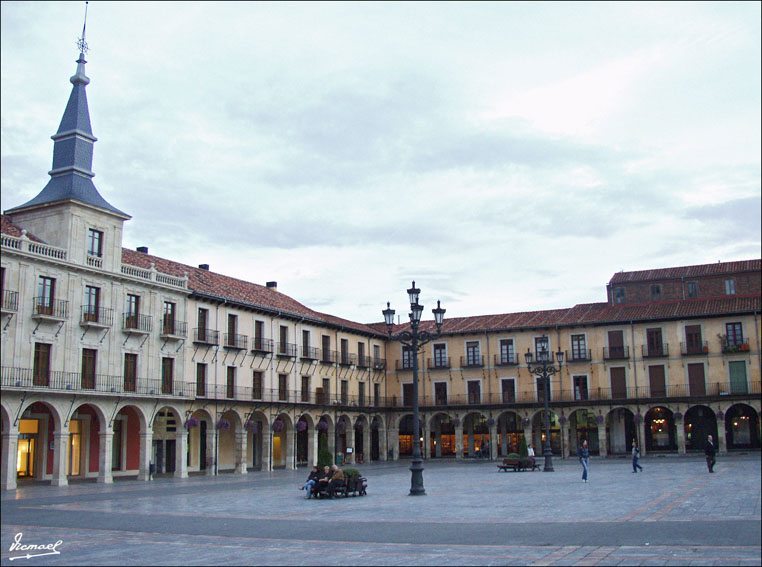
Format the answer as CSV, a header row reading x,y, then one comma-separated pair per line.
x,y
337,478
323,481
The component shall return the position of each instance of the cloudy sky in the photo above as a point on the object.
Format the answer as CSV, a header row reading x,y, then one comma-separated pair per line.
x,y
506,156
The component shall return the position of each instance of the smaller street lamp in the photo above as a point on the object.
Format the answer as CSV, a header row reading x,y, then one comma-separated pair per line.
x,y
545,368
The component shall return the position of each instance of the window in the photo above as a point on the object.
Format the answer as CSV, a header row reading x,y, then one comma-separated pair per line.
x,y
132,311
376,394
167,374
283,387
655,292
203,318
306,344
693,342
691,289
361,353
541,348
440,393
654,342
94,243
580,387
326,389
440,356
474,391
232,330
168,322
201,379
326,348
41,372
283,344
730,286
344,351
508,388
256,385
361,394
618,295
376,354
734,334
407,394
345,392
305,388
231,382
46,292
407,357
507,354
88,368
130,372
259,335
92,301
579,347
473,357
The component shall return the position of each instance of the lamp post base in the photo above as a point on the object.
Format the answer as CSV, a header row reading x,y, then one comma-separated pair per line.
x,y
548,454
416,479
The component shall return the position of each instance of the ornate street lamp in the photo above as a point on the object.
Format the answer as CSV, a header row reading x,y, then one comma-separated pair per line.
x,y
545,368
415,339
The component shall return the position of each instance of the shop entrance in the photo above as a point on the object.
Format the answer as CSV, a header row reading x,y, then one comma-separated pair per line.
x,y
27,447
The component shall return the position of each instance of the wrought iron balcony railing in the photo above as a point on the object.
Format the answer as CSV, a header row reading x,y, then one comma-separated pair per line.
x,y
694,348
472,361
579,355
616,353
173,328
439,363
506,359
205,336
10,300
234,341
137,323
262,345
98,316
659,350
46,308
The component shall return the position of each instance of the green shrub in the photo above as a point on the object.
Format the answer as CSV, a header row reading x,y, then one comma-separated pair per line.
x,y
350,472
514,456
325,458
523,451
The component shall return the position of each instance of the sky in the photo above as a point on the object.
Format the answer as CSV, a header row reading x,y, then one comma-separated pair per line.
x,y
507,157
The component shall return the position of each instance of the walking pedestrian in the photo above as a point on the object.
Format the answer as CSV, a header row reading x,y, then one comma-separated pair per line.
x,y
635,457
709,451
584,454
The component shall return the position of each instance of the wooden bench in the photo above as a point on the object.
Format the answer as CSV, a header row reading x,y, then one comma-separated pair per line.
x,y
518,465
357,486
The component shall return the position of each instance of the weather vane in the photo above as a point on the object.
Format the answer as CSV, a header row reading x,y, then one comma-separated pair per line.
x,y
81,43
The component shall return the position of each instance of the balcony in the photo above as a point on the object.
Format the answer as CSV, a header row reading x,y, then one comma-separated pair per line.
x,y
363,361
96,317
262,346
286,350
616,353
379,364
438,363
579,355
735,345
134,323
660,350
10,301
206,336
506,359
50,309
472,361
235,342
404,364
694,348
26,379
347,359
329,356
310,353
171,328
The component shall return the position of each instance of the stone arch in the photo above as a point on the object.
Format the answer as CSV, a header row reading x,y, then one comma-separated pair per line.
x,y
229,427
699,422
441,441
742,427
377,438
40,424
169,440
538,432
130,439
405,433
88,420
475,433
660,429
282,443
583,425
510,432
305,440
620,430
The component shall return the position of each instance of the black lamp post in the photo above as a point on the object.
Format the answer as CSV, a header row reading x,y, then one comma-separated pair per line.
x,y
415,339
545,368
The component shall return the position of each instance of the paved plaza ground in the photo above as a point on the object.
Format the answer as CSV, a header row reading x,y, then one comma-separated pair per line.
x,y
674,513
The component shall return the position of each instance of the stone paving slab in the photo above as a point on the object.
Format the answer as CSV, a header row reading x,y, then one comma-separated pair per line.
x,y
672,513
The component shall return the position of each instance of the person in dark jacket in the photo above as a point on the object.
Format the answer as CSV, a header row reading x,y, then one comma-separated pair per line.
x,y
325,478
311,480
584,454
709,451
337,478
635,457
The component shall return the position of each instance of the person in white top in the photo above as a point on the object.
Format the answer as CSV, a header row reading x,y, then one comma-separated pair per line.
x,y
530,451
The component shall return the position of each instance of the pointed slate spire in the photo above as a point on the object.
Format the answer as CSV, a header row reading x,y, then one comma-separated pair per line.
x,y
71,176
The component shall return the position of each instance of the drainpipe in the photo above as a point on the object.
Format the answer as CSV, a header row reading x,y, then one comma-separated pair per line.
x,y
489,381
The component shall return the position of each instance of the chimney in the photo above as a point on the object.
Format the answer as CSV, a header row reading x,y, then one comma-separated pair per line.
x,y
143,249
272,285
204,267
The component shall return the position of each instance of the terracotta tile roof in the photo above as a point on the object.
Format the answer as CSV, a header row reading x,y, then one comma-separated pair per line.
x,y
595,314
7,227
688,271
232,289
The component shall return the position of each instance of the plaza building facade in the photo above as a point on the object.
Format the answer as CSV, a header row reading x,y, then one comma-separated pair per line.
x,y
116,362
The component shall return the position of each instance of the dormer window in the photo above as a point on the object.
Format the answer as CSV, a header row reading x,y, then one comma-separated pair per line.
x,y
655,292
618,295
730,286
95,243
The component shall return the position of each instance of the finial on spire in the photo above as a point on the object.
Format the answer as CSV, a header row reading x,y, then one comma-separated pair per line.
x,y
81,43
